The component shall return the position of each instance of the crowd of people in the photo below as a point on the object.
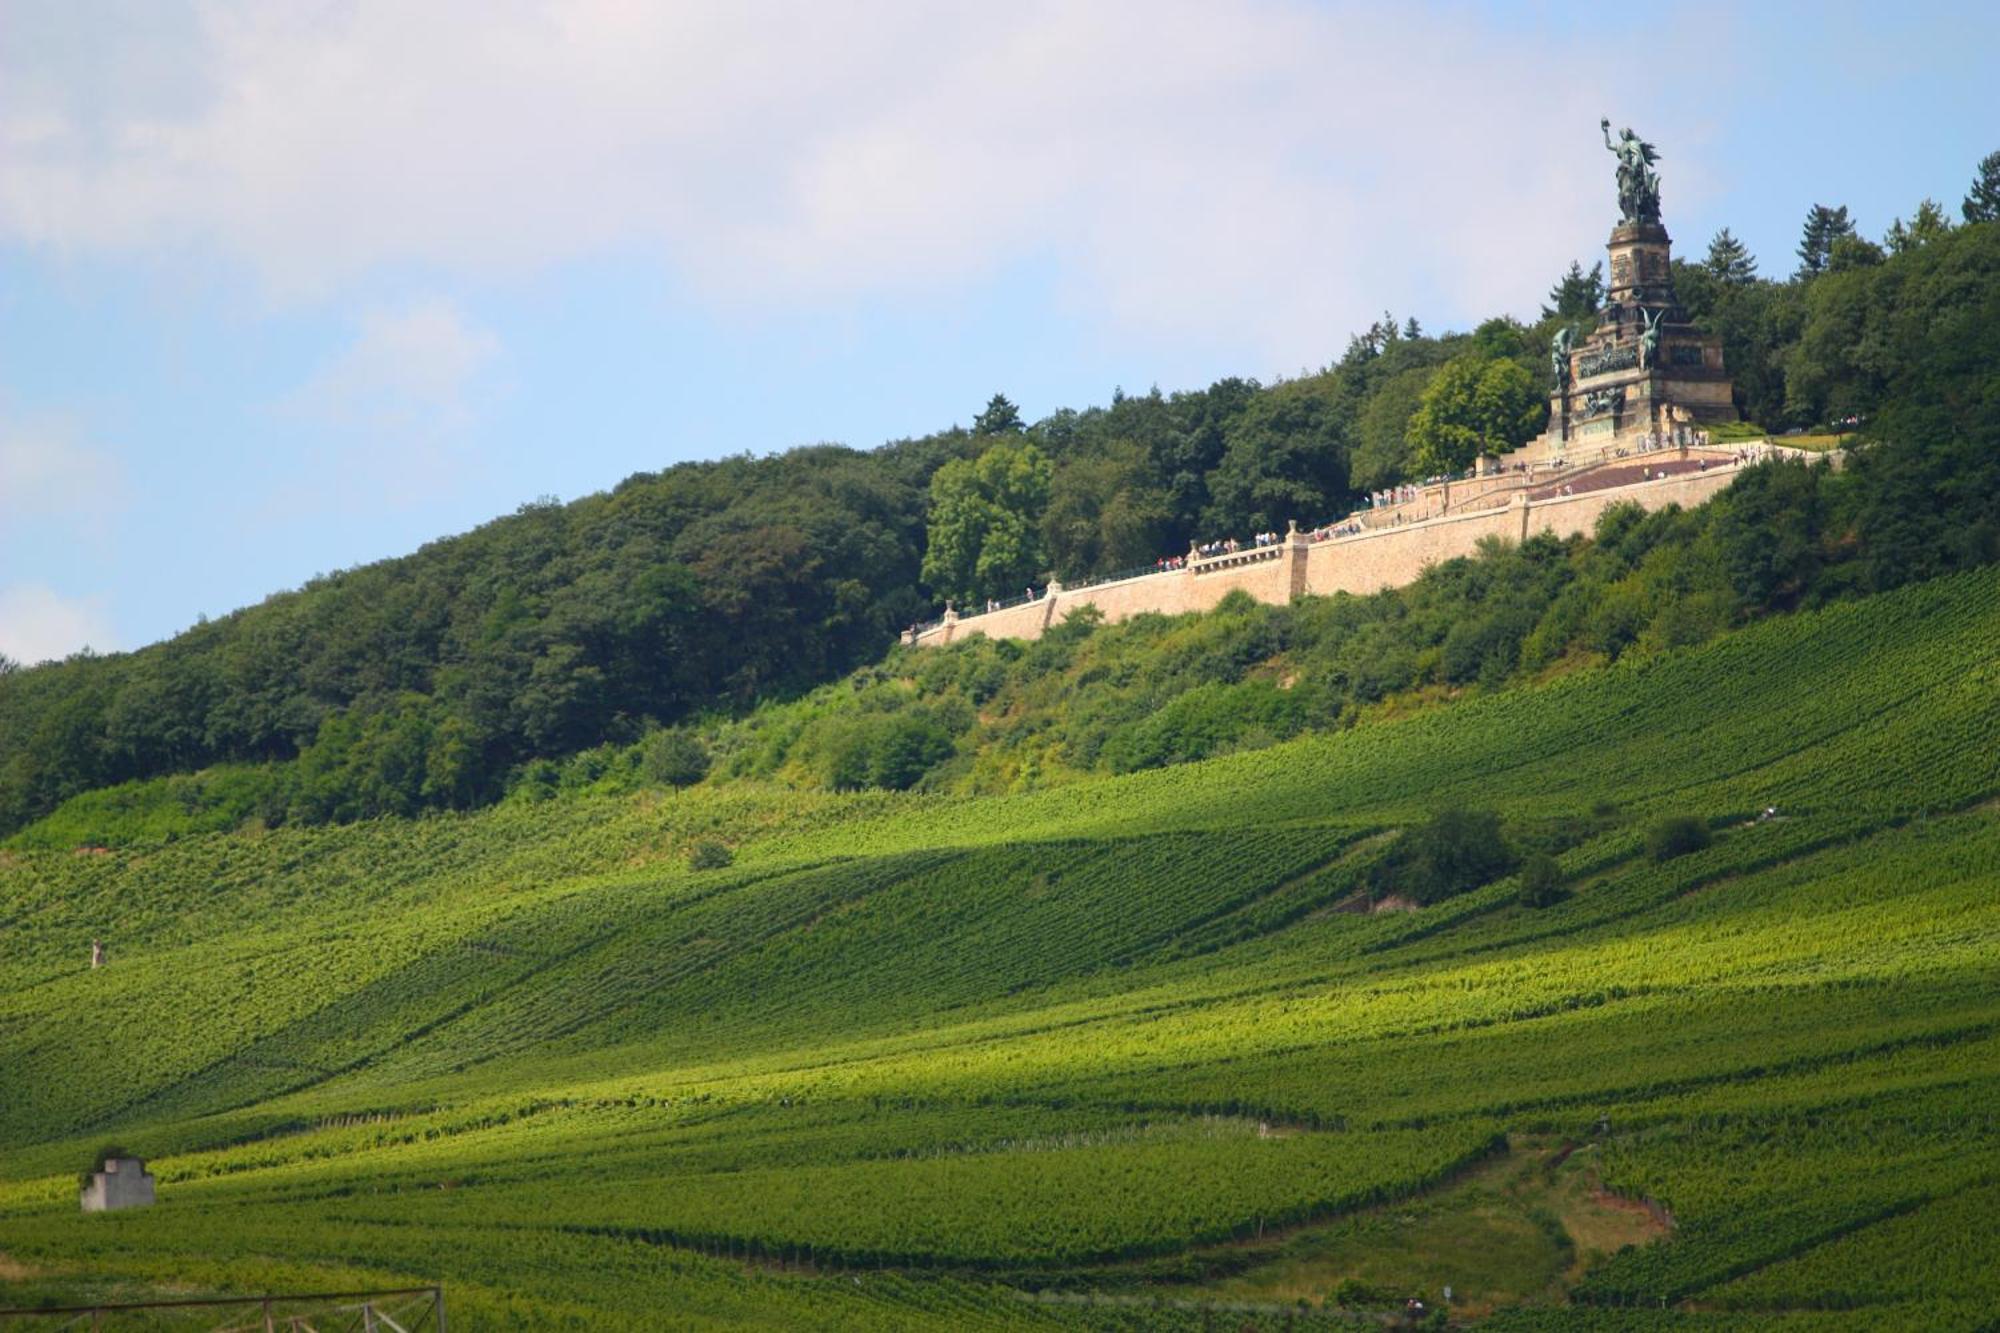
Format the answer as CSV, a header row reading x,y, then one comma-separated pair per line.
x,y
1394,497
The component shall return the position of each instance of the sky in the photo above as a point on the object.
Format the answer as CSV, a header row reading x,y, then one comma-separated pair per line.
x,y
290,287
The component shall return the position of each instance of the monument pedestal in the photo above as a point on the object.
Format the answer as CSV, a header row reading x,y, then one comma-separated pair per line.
x,y
1645,368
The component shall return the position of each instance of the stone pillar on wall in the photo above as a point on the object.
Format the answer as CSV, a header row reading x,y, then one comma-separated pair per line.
x,y
1296,544
949,624
1522,501
1049,598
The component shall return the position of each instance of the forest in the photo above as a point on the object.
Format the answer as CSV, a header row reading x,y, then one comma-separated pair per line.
x,y
682,613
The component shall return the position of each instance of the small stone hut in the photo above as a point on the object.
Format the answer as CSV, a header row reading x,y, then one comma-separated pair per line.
x,y
122,1182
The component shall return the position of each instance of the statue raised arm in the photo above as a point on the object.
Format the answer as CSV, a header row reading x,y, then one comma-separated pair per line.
x,y
1638,183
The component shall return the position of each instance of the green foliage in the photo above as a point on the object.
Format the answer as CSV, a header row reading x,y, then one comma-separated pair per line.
x,y
1982,201
1453,852
1824,228
675,757
1541,881
709,854
1926,224
1475,405
1286,457
1676,835
444,680
1577,294
1000,417
1382,454
1729,260
910,1056
984,536
544,632
1104,512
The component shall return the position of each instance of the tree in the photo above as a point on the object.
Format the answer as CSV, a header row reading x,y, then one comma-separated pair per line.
x,y
674,757
1577,293
1412,330
1982,201
1449,854
1001,417
1382,435
1105,512
986,522
1823,227
1286,459
1475,406
1851,252
1927,224
1730,260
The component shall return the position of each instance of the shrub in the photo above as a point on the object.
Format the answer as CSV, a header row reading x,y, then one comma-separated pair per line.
x,y
1541,881
1454,852
709,854
904,750
674,757
1676,835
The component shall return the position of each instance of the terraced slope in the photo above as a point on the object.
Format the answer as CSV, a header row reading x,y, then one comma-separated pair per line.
x,y
923,1062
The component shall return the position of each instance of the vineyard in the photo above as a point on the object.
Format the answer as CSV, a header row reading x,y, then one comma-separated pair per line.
x,y
1140,1052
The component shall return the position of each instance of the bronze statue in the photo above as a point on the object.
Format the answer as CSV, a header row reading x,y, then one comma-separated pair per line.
x,y
1559,349
1649,337
1638,183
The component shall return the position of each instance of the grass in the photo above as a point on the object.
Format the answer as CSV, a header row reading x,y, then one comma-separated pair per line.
x,y
910,1059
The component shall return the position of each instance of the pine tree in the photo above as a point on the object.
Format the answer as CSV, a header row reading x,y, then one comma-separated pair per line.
x,y
1823,227
1982,202
1001,417
1412,329
1730,260
1925,225
1578,293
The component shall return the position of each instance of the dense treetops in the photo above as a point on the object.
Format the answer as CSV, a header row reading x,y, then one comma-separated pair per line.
x,y
448,677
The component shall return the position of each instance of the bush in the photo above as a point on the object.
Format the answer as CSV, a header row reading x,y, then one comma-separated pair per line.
x,y
1541,881
1676,835
675,757
1456,851
904,750
709,854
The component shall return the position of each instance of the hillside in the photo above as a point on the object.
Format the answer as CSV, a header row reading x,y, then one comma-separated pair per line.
x,y
691,596
1128,1052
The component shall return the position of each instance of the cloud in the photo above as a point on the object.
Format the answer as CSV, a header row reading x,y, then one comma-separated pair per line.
x,y
37,624
394,406
1269,173
45,473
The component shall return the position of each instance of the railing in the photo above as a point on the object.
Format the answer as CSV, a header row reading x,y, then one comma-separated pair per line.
x,y
1242,555
1364,521
1119,576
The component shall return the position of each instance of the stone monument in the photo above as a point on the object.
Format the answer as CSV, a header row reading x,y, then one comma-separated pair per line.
x,y
1646,368
122,1182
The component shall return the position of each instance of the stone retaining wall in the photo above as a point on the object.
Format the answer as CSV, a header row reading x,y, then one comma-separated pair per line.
x,y
1363,563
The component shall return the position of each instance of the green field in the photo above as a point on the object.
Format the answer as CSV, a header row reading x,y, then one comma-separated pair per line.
x,y
1122,1054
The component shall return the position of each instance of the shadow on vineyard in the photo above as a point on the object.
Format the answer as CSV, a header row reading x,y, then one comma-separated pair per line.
x,y
1127,1053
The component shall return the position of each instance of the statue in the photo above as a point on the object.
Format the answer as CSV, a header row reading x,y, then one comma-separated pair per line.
x,y
1649,337
1559,349
1638,183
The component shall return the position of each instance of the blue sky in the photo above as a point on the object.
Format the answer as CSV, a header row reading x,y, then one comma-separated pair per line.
x,y
285,288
